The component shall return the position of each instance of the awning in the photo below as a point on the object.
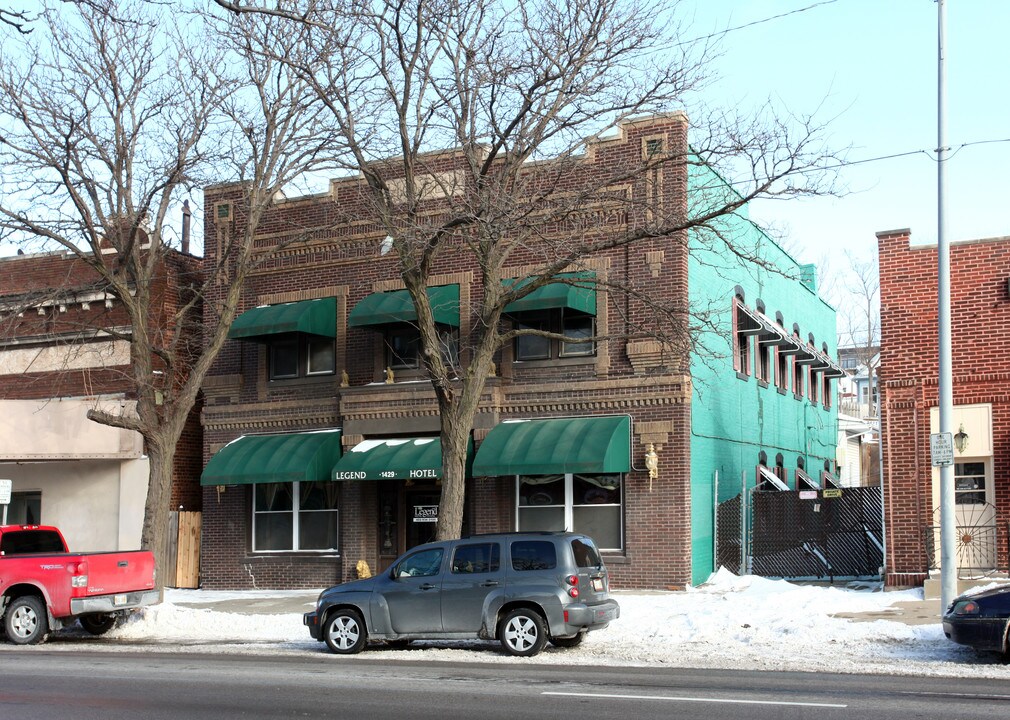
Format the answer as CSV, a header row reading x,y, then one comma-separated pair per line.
x,y
313,317
575,291
307,456
823,363
775,335
770,478
802,477
396,306
563,445
829,480
394,459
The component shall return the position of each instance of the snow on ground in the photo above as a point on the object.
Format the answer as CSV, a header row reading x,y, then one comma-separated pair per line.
x,y
730,622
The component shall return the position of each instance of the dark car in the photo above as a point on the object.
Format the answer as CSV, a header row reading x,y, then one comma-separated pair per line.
x,y
980,619
523,589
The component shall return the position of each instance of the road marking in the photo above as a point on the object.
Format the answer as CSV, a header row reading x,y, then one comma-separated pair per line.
x,y
698,700
966,696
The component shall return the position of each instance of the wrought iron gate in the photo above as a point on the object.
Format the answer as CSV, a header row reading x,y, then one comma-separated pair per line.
x,y
800,535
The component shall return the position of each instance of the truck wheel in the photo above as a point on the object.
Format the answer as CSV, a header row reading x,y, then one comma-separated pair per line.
x,y
26,621
99,623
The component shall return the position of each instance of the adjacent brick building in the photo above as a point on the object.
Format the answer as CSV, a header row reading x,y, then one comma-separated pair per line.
x,y
319,459
58,359
980,312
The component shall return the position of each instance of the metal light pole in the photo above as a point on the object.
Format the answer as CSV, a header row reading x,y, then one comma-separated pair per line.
x,y
948,530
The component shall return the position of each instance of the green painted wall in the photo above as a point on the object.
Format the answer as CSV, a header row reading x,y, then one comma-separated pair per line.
x,y
732,420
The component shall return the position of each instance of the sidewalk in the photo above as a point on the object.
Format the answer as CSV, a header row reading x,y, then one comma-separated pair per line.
x,y
275,602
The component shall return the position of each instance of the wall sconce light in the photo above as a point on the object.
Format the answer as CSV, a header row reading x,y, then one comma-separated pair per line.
x,y
961,439
652,464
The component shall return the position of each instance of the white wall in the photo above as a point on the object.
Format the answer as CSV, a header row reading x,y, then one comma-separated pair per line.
x,y
97,504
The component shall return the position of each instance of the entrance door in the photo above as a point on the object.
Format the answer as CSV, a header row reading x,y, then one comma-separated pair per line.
x,y
421,507
974,513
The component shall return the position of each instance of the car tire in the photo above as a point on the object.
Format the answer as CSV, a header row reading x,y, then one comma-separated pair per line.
x,y
523,633
344,632
568,642
98,623
26,620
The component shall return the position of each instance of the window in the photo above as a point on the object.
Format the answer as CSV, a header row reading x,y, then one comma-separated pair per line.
x,y
741,341
585,553
298,516
764,362
300,355
969,483
812,387
421,564
588,504
849,363
826,391
482,558
25,508
534,555
31,541
798,377
781,370
570,323
403,346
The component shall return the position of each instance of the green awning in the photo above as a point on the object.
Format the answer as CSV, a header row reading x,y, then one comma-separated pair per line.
x,y
548,447
307,456
394,459
385,308
555,295
314,317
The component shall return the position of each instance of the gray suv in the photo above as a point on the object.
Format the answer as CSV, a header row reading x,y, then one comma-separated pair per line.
x,y
523,589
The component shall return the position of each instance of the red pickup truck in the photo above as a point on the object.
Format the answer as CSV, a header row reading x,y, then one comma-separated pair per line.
x,y
45,587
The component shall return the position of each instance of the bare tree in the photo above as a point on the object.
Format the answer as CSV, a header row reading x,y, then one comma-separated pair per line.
x,y
861,323
110,114
468,119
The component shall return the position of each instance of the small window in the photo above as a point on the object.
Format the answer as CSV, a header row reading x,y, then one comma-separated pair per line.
x,y
826,391
781,370
583,327
969,483
299,355
402,345
579,326
533,347
764,362
586,555
422,564
653,147
534,555
798,373
471,559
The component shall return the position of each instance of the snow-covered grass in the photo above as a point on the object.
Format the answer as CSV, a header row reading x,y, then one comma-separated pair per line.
x,y
730,622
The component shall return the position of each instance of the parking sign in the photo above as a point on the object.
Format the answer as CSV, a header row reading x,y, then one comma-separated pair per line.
x,y
5,491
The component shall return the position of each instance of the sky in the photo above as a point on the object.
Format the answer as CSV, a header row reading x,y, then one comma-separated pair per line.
x,y
871,66
742,622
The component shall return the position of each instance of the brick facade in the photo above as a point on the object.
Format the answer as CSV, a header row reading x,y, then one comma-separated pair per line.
x,y
53,307
336,252
980,311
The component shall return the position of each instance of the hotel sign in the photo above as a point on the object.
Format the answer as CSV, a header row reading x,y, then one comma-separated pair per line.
x,y
425,513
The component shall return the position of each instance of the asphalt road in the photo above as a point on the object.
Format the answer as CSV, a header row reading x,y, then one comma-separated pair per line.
x,y
44,685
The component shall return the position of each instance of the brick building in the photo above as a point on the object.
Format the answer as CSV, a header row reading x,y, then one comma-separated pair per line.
x,y
64,349
318,458
980,311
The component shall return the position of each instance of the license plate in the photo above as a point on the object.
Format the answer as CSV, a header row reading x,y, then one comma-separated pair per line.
x,y
120,599
598,584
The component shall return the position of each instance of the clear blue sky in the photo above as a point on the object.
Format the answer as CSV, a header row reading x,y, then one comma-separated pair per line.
x,y
874,64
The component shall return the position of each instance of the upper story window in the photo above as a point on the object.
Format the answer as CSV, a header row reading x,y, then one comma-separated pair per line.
x,y
564,306
299,336
403,346
297,355
571,324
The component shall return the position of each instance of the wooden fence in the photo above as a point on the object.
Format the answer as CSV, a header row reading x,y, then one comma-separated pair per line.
x,y
184,562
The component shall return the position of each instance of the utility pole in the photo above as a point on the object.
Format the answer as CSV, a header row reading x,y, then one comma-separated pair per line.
x,y
948,530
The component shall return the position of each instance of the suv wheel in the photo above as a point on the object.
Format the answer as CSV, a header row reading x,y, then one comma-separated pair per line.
x,y
344,632
522,633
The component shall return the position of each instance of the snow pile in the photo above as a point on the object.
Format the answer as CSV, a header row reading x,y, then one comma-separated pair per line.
x,y
730,622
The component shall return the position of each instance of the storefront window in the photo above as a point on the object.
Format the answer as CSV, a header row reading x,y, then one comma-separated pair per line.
x,y
589,504
299,516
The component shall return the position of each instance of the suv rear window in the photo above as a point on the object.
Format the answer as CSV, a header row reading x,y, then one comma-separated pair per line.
x,y
534,555
585,553
23,542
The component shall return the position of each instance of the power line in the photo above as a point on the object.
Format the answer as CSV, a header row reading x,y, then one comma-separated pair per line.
x,y
928,153
757,22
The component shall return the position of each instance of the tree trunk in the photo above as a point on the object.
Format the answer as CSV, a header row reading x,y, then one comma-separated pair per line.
x,y
155,536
